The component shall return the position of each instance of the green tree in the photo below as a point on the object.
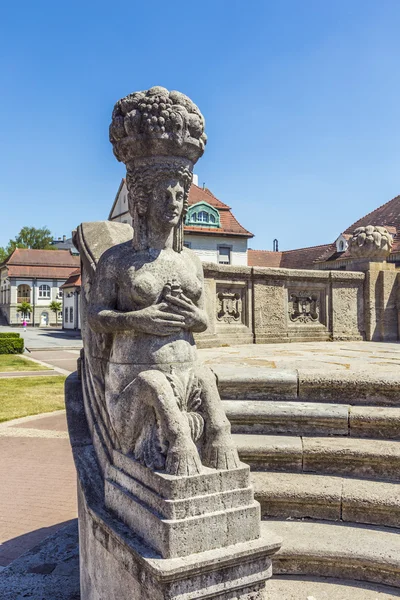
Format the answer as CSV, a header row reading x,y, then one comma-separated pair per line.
x,y
29,237
55,307
25,309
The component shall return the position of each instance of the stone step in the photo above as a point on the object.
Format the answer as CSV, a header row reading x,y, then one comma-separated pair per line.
x,y
288,587
261,416
298,495
312,418
363,458
353,552
245,382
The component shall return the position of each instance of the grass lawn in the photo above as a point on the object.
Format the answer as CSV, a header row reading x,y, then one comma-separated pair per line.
x,y
14,362
23,396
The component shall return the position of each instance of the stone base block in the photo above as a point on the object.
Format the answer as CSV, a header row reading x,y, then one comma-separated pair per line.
x,y
115,564
178,516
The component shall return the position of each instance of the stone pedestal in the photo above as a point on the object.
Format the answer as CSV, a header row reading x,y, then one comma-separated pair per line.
x,y
380,293
147,534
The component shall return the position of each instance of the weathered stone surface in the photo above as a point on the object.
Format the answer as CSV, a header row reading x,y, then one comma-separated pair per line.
x,y
327,588
298,495
49,571
346,387
372,242
251,383
375,422
300,418
269,452
356,552
117,563
159,476
351,456
372,502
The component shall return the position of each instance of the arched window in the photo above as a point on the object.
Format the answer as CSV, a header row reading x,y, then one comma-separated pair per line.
x,y
44,291
341,246
203,216
23,293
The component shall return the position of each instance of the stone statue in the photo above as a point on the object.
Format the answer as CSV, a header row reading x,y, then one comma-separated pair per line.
x,y
374,243
147,294
166,509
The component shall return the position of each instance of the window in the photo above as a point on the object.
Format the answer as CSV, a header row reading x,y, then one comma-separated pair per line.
x,y
66,315
203,216
224,255
71,314
44,291
341,246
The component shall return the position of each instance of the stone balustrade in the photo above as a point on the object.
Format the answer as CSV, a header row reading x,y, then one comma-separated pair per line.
x,y
260,305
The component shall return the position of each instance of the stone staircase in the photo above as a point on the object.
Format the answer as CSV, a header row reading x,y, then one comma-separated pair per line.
x,y
325,461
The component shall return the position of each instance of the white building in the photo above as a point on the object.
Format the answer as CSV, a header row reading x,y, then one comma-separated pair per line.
x,y
71,301
34,276
211,230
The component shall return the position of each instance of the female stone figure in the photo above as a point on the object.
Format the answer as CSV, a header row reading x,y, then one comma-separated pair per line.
x,y
163,404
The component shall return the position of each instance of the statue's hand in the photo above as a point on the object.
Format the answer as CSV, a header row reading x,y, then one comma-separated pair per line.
x,y
157,319
195,319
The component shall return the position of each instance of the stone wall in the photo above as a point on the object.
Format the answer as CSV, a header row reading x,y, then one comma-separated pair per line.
x,y
262,305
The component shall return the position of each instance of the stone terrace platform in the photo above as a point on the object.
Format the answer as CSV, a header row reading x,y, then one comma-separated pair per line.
x,y
341,357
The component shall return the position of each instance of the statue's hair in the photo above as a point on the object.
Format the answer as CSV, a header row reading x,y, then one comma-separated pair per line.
x,y
141,179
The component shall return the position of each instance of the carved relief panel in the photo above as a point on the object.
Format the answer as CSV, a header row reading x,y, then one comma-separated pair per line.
x,y
231,304
304,307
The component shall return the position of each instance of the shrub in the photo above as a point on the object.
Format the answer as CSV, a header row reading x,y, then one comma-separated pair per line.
x,y
11,345
10,334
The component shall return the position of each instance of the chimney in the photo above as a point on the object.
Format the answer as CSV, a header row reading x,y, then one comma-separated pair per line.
x,y
195,179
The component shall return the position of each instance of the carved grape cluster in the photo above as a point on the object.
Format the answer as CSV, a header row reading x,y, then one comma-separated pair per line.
x,y
155,114
371,242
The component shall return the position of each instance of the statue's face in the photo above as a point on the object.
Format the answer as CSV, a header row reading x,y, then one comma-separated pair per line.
x,y
168,205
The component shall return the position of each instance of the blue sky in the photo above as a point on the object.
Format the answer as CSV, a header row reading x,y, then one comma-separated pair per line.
x,y
301,100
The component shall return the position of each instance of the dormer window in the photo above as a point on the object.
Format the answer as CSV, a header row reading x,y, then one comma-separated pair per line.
x,y
203,214
341,244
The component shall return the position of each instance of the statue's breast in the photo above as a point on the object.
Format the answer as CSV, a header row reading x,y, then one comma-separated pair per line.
x,y
144,286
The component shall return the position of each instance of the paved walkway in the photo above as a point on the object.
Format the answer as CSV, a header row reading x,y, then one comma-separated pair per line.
x,y
38,489
47,337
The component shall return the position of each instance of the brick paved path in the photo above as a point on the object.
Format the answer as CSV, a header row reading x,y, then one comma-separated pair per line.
x,y
38,482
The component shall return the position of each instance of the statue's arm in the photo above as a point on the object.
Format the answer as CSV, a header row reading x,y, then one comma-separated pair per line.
x,y
103,316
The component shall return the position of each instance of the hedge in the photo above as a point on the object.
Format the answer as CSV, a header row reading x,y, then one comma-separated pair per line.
x,y
11,345
10,334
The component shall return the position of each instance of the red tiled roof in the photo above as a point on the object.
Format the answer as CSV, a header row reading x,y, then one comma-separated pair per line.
x,y
74,280
301,258
198,194
48,258
229,224
38,271
386,215
47,264
263,258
